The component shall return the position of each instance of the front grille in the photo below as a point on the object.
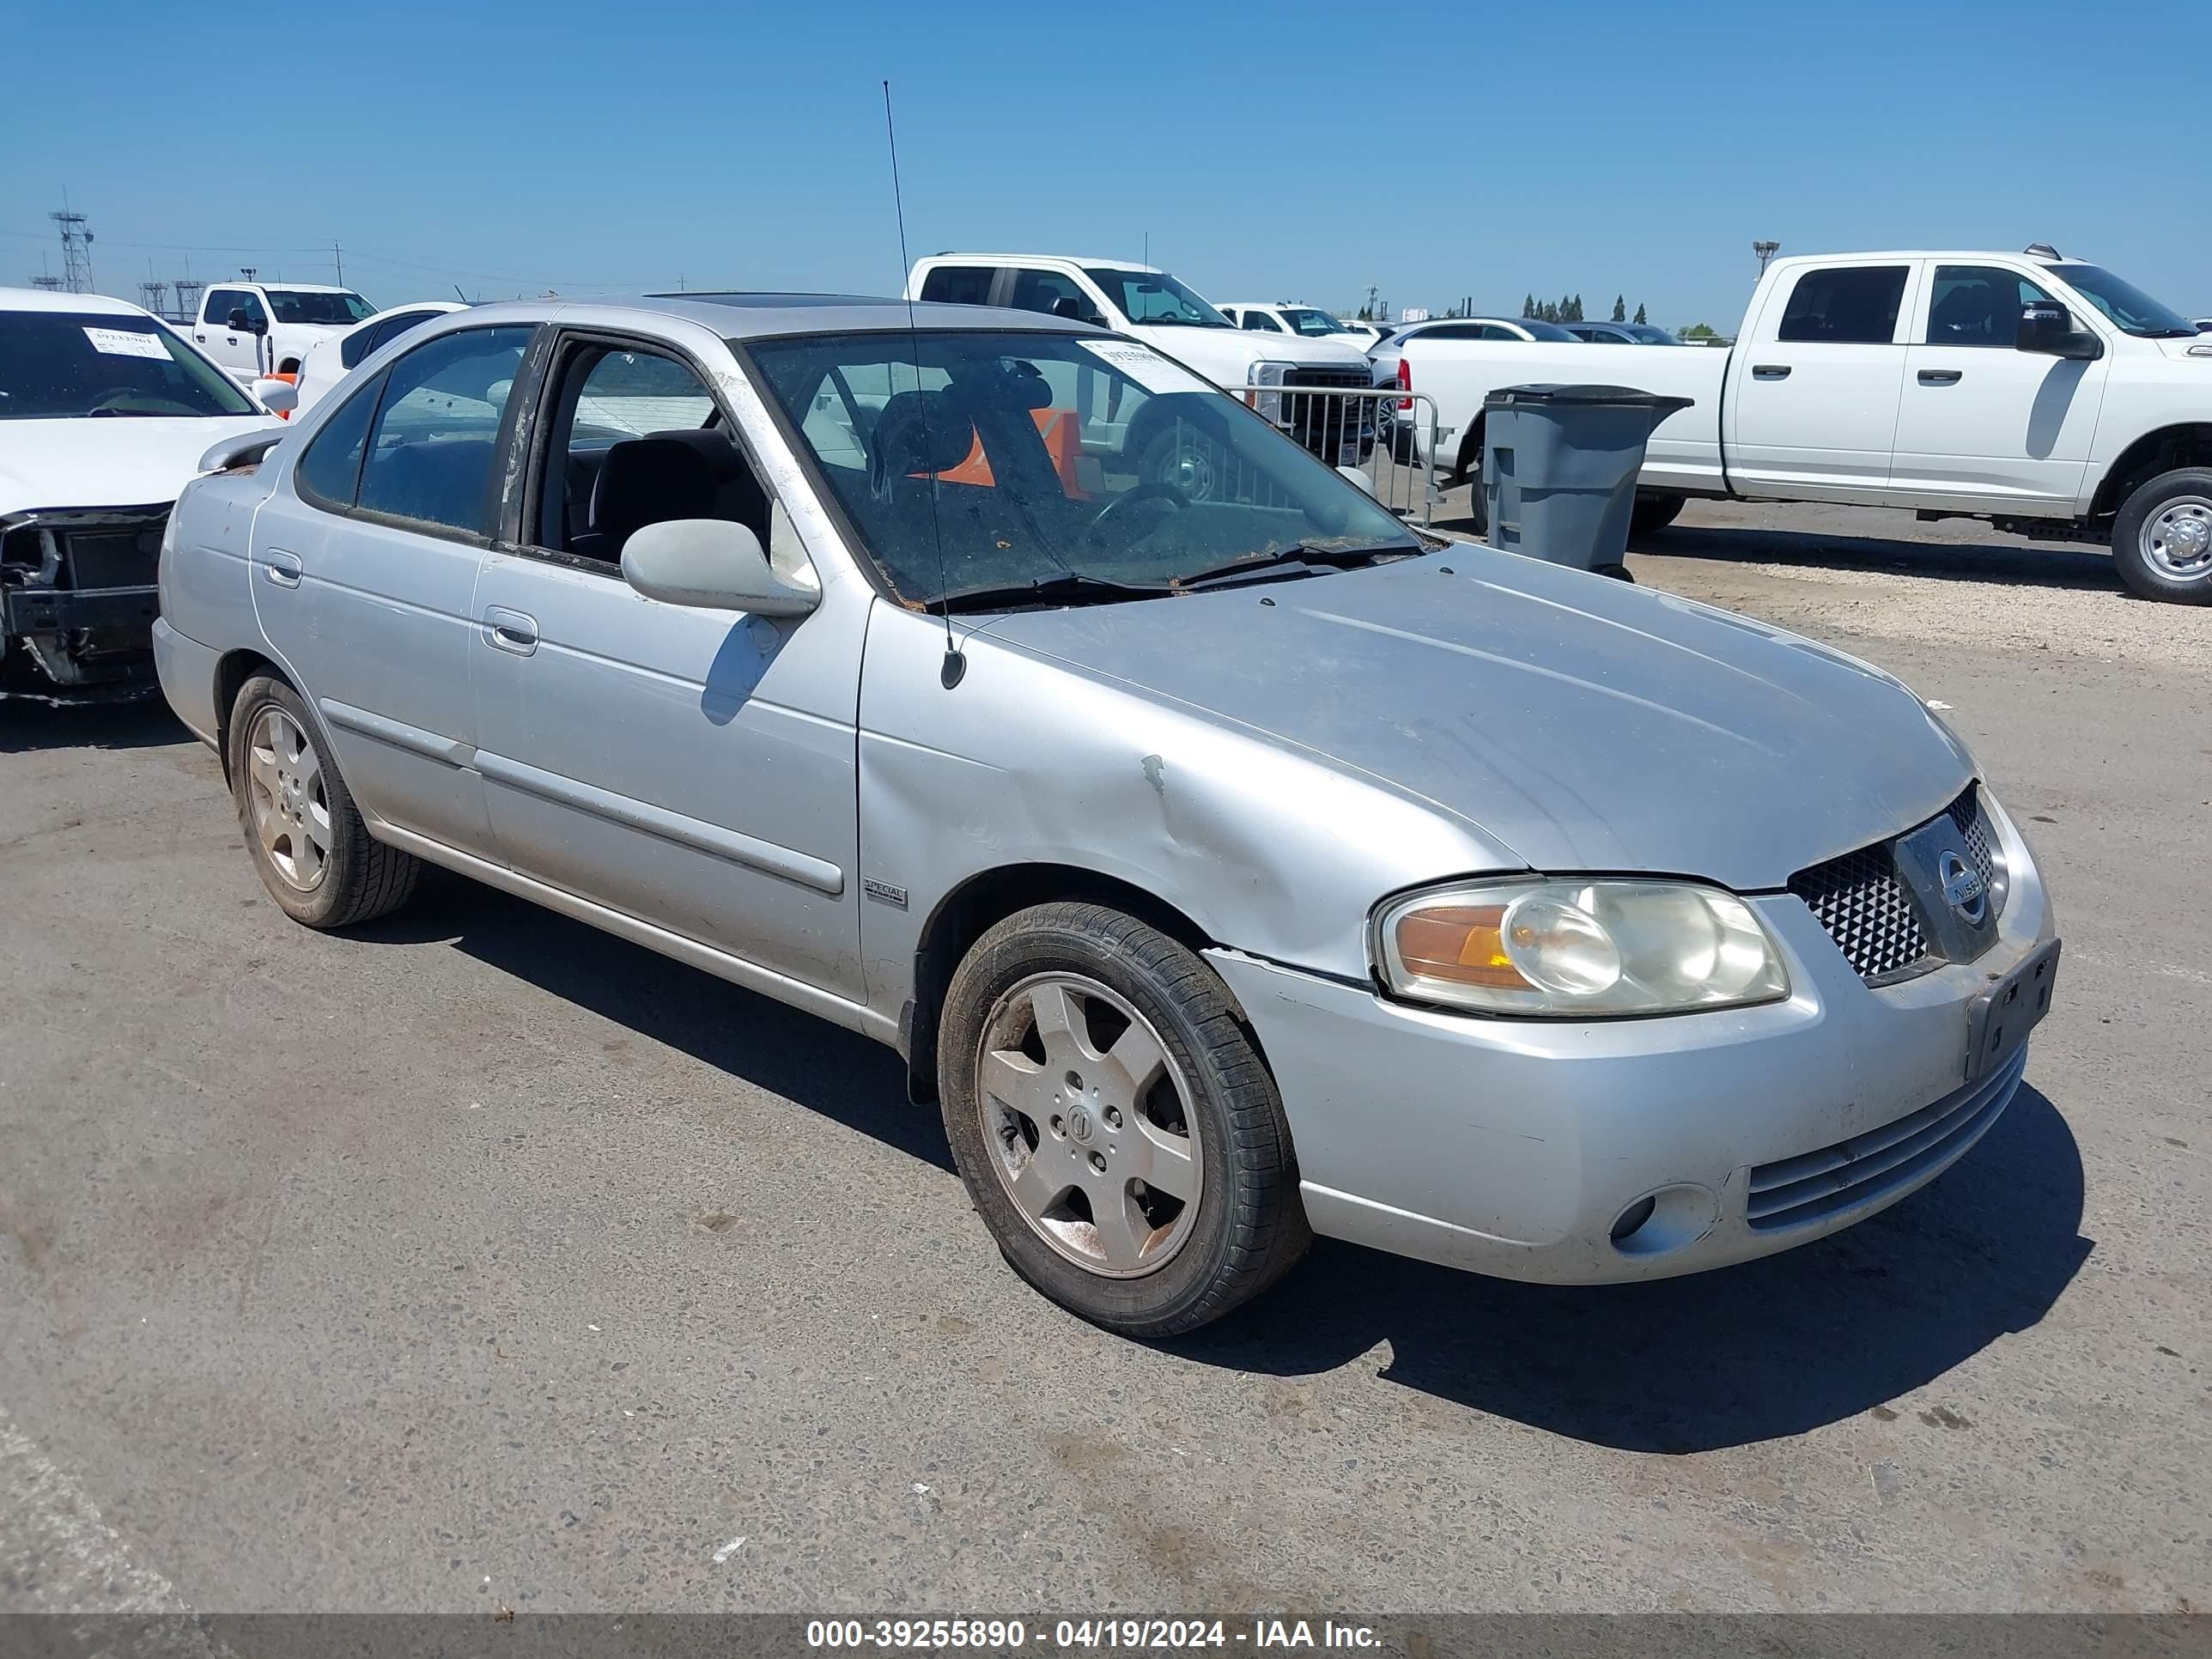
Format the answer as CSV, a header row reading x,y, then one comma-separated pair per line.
x,y
1358,380
1795,1192
1862,902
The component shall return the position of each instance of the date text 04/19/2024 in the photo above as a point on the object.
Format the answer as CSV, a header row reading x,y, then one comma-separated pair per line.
x,y
1088,1635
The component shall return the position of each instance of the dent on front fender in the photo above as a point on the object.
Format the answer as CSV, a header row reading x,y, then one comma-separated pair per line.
x,y
1266,847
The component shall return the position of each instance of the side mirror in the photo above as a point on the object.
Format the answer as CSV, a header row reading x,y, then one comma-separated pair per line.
x,y
711,564
2047,326
277,397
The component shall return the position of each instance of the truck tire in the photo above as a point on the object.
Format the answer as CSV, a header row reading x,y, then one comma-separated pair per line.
x,y
308,843
1086,1059
1654,513
2162,539
1470,470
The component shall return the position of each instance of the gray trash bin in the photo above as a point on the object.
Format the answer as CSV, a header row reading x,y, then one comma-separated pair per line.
x,y
1559,465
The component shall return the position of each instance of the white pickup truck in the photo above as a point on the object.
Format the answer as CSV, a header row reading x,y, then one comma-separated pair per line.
x,y
254,329
1146,303
2044,394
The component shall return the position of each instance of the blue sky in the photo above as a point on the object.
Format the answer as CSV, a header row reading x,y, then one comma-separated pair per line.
x,y
1278,152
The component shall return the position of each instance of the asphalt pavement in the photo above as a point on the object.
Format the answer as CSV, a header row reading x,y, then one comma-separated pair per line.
x,y
479,1260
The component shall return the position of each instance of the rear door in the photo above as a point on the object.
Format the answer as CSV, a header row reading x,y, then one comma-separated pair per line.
x,y
1813,403
1982,423
365,565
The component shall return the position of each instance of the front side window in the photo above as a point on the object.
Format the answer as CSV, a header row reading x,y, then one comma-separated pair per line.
x,y
636,439
959,285
1155,297
1052,294
221,301
60,365
324,310
434,446
1845,304
1978,306
329,471
1032,457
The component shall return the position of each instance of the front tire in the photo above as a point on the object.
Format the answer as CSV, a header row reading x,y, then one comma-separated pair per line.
x,y
1470,471
1116,1129
2162,539
313,853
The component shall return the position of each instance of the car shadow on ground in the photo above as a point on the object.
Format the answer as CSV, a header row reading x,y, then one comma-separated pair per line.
x,y
845,1077
2059,567
1773,1347
140,723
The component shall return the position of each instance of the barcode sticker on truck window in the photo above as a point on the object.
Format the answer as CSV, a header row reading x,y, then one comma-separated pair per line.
x,y
1145,366
126,343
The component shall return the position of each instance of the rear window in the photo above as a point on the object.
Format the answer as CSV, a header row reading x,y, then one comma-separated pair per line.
x,y
1850,304
959,285
62,365
326,310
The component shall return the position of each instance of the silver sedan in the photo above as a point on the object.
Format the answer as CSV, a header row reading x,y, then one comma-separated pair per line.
x,y
1229,862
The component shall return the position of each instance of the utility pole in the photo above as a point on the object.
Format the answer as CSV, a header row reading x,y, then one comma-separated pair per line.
x,y
77,249
339,257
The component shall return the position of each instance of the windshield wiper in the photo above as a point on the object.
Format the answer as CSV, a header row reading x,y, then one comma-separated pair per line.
x,y
1069,587
1298,553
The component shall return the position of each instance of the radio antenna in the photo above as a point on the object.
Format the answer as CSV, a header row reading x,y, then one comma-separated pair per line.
x,y
955,664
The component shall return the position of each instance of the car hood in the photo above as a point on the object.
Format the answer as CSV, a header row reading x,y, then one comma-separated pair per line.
x,y
1584,723
125,461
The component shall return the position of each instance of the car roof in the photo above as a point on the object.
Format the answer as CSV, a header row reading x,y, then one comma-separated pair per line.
x,y
46,299
742,316
288,287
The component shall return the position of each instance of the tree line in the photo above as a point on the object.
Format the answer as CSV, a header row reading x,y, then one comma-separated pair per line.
x,y
1568,309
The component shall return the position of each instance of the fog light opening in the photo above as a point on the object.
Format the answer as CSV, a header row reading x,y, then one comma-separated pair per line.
x,y
1625,1224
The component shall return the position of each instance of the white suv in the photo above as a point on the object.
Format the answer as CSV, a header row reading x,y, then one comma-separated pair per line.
x,y
1148,304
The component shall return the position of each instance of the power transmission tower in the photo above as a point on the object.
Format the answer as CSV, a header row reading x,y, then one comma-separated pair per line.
x,y
149,295
76,250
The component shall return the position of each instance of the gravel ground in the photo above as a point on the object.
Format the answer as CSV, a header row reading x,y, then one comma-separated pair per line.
x,y
483,1261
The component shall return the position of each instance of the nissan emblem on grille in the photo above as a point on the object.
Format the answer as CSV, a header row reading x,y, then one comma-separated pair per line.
x,y
1962,887
1898,907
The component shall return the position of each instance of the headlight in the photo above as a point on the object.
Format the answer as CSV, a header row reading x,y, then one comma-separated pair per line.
x,y
1268,403
1578,948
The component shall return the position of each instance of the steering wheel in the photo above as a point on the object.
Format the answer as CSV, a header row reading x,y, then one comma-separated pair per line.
x,y
114,394
1153,490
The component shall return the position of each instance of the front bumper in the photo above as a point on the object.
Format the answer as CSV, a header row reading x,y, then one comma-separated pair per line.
x,y
1511,1147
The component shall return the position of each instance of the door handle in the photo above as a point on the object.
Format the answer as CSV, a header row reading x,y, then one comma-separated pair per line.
x,y
1770,371
509,631
283,567
1940,376
202,338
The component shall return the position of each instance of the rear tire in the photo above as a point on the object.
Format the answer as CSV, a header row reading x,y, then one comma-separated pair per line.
x,y
1087,1061
1470,472
309,845
2162,539
1652,514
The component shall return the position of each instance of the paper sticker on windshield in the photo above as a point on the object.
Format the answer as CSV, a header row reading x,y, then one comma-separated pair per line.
x,y
1145,366
125,343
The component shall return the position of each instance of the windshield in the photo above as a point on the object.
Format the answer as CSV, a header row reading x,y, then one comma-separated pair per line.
x,y
1052,456
293,305
1306,320
62,365
2127,307
1153,296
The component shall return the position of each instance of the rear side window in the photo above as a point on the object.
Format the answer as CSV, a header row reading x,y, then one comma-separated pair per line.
x,y
1851,305
434,446
1261,323
332,467
959,285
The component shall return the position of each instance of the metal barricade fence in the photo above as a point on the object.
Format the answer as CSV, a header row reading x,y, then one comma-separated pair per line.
x,y
1367,430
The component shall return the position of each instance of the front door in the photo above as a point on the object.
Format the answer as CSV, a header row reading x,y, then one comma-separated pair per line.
x,y
237,349
1812,399
1984,425
365,572
690,767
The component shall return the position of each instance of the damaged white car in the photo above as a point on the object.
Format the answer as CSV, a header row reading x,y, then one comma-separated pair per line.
x,y
104,414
